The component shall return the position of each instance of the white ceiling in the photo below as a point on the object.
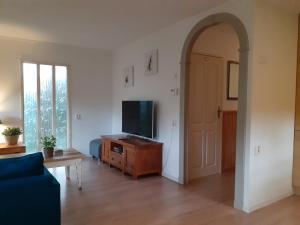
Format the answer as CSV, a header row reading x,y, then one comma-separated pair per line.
x,y
103,24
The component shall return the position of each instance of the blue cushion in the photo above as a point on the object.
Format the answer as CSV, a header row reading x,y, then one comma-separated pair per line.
x,y
24,183
29,165
95,148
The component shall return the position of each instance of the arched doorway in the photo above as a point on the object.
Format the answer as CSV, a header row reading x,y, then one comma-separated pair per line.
x,y
242,128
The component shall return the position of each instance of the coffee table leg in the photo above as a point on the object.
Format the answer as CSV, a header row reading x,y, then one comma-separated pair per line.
x,y
67,169
79,175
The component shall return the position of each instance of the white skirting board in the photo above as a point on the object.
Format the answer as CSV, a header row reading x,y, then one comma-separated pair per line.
x,y
263,204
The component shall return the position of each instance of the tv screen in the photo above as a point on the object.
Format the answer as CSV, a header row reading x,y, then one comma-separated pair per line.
x,y
138,118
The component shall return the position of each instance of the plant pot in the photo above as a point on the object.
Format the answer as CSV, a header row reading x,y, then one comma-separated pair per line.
x,y
12,140
48,153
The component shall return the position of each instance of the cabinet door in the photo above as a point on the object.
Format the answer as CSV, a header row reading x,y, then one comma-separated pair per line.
x,y
116,160
130,160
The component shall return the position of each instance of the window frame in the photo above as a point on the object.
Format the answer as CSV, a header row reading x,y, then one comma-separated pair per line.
x,y
39,63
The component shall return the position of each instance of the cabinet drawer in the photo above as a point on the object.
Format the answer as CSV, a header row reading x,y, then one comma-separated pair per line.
x,y
115,159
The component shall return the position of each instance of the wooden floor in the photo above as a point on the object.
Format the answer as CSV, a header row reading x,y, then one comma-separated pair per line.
x,y
108,197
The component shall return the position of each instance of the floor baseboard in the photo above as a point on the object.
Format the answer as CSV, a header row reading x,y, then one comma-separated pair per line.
x,y
264,204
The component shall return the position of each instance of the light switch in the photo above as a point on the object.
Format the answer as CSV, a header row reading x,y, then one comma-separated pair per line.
x,y
173,91
174,123
257,150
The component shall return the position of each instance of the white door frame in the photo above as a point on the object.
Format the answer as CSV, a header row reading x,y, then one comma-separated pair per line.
x,y
242,153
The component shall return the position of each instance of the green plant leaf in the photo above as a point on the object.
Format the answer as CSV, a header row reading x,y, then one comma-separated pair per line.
x,y
12,131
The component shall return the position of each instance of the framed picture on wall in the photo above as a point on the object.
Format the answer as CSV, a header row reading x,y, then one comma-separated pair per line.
x,y
128,76
233,80
151,62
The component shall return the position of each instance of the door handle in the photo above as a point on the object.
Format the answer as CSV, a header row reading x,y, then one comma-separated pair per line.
x,y
219,112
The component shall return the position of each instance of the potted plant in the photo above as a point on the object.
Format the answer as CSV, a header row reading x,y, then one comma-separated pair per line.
x,y
12,134
48,144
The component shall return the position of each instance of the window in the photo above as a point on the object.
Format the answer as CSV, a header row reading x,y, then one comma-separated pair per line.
x,y
45,104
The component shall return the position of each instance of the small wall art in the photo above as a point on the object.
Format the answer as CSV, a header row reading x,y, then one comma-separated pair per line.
x,y
128,76
151,62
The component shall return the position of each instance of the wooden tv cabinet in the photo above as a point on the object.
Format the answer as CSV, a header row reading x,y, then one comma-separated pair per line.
x,y
138,157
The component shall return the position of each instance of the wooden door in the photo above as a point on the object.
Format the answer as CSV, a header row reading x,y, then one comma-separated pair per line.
x,y
296,164
204,116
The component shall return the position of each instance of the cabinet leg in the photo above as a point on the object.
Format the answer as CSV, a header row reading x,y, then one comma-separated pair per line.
x,y
67,170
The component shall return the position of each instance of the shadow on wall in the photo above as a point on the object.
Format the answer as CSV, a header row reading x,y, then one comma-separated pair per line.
x,y
11,121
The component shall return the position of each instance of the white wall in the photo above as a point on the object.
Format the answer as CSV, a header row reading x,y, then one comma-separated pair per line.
x,y
271,94
90,85
169,42
221,41
273,104
271,91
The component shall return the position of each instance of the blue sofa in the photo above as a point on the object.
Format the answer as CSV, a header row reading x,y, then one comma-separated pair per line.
x,y
29,194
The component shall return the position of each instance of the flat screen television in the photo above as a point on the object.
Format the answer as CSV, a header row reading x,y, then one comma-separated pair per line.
x,y
138,118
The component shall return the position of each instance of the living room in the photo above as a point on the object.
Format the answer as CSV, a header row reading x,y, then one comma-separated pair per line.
x,y
113,52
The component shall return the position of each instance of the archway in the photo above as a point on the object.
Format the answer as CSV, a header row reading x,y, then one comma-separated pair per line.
x,y
242,128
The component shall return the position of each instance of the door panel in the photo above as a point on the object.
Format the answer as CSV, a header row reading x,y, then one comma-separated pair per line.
x,y
229,129
204,133
210,155
212,77
197,143
197,114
